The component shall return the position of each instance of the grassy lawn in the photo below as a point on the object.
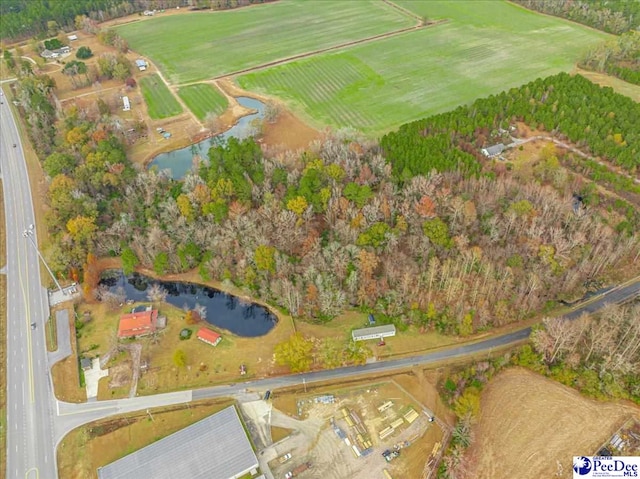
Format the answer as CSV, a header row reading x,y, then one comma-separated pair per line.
x,y
205,365
484,48
51,333
620,86
202,45
160,101
203,98
3,244
66,380
3,367
97,444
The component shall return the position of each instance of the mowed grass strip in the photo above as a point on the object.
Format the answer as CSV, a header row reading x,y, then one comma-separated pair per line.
x,y
202,99
195,46
484,48
160,101
3,371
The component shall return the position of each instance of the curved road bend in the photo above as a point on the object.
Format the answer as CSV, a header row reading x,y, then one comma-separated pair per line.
x,y
30,400
36,422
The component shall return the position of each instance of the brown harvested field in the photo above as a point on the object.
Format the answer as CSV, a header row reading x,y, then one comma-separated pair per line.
x,y
531,427
93,445
65,373
288,132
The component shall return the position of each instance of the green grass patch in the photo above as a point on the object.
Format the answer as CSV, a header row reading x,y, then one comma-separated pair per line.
x,y
202,45
3,371
51,333
484,48
202,99
160,101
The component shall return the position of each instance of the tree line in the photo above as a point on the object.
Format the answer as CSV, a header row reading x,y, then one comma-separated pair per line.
x,y
22,19
613,17
619,57
570,107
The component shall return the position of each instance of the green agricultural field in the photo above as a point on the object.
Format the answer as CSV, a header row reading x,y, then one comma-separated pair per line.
x,y
196,46
485,47
202,99
160,101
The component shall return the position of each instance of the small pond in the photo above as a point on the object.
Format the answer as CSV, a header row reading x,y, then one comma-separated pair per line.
x,y
223,310
180,161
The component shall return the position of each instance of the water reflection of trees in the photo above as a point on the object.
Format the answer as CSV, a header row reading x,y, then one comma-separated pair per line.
x,y
222,309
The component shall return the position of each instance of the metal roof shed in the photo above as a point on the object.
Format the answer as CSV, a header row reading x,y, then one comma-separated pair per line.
x,y
376,332
214,448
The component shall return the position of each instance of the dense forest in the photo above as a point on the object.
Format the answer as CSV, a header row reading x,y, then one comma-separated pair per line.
x,y
617,16
619,57
22,19
461,248
571,107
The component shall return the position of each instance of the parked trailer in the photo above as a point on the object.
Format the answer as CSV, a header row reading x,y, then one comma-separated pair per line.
x,y
298,470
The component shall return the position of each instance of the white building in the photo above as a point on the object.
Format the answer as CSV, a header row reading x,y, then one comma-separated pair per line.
x,y
126,106
377,332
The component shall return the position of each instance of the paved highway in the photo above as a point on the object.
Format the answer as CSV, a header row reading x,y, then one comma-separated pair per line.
x,y
30,401
36,421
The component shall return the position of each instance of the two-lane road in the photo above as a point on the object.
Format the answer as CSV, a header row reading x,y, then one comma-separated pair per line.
x,y
36,422
30,402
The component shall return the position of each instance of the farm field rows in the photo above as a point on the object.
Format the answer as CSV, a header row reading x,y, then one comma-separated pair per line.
x,y
160,101
202,45
203,98
484,48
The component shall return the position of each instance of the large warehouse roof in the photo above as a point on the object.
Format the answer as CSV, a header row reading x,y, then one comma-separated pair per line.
x,y
215,448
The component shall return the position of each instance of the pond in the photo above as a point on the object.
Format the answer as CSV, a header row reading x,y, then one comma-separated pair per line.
x,y
180,161
224,310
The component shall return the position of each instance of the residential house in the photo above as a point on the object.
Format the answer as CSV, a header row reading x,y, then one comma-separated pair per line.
x,y
141,64
138,324
494,150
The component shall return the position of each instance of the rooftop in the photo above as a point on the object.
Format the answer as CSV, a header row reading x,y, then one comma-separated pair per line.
x,y
137,324
384,330
215,448
208,336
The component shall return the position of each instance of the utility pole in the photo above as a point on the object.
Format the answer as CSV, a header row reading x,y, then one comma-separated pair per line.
x,y
28,233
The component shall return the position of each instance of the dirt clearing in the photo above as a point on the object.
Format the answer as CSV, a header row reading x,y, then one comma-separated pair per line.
x,y
531,427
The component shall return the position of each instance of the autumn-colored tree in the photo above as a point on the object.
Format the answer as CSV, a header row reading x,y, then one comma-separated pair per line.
x,y
426,207
185,207
179,358
295,353
298,205
264,257
81,228
91,277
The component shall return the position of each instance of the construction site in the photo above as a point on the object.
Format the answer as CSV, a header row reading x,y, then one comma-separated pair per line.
x,y
367,431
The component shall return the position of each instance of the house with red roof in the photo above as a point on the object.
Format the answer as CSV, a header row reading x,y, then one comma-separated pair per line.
x,y
138,323
209,336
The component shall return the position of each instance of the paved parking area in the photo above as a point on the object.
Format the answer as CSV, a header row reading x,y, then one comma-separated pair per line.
x,y
92,376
